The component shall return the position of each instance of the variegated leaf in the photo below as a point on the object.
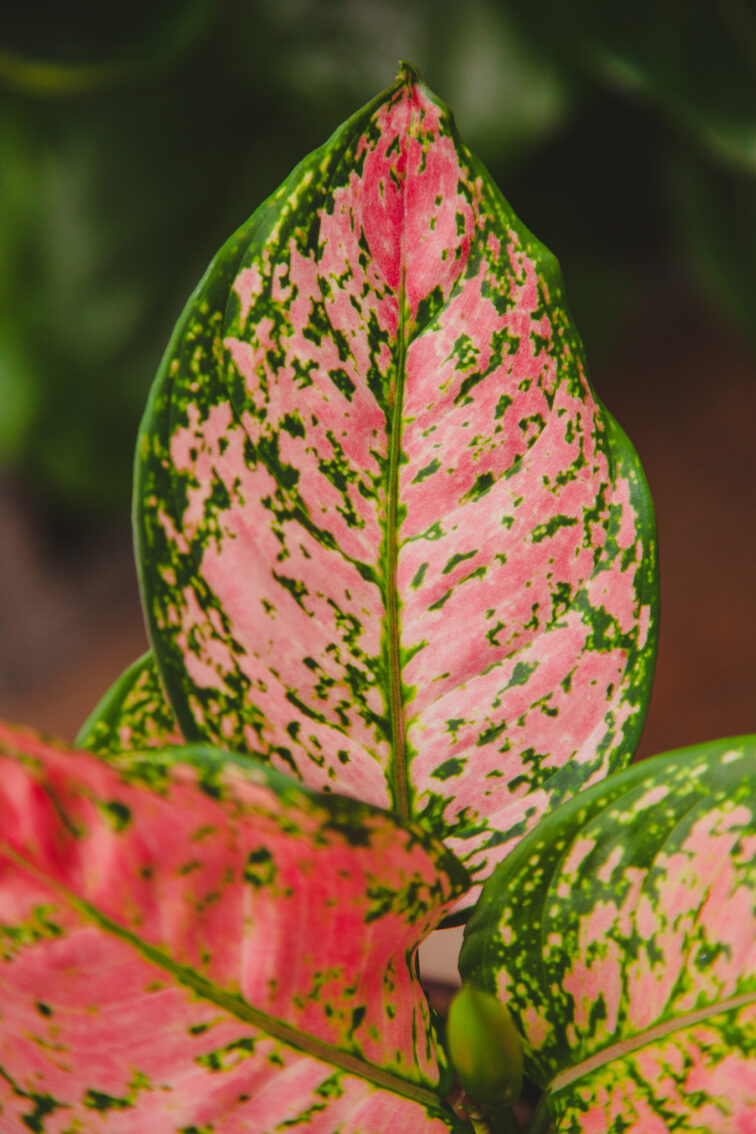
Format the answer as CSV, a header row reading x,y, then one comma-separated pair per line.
x,y
388,538
191,942
133,715
622,935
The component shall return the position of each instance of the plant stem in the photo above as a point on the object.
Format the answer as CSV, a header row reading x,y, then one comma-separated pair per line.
x,y
541,1122
501,1120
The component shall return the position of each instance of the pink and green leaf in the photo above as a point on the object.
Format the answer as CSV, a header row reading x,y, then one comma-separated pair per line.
x,y
388,539
133,715
622,936
190,942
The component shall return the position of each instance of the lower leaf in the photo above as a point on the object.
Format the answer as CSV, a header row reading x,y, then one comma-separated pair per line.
x,y
701,1080
190,942
622,935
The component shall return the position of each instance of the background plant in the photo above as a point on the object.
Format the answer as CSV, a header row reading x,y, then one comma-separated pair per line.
x,y
113,134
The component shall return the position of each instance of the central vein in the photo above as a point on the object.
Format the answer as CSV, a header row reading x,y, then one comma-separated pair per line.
x,y
396,709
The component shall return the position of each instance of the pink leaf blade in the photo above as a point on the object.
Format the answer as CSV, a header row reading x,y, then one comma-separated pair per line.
x,y
382,484
634,923
168,917
133,715
701,1079
212,651
559,713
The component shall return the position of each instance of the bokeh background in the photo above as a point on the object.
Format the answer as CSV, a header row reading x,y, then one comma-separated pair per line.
x,y
136,136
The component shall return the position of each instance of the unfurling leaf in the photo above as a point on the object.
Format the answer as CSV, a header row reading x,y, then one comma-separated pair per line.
x,y
191,942
133,715
388,539
484,1047
622,935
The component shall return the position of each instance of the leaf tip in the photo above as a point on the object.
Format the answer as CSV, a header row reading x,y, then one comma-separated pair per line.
x,y
408,73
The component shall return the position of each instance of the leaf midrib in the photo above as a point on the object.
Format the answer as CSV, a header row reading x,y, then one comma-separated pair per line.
x,y
396,708
399,777
233,1004
650,1035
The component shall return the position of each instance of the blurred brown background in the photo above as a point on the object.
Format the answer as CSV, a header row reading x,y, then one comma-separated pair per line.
x,y
131,150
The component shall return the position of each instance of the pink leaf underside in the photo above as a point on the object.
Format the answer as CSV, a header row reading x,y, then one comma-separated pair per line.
x,y
630,960
184,946
470,612
133,715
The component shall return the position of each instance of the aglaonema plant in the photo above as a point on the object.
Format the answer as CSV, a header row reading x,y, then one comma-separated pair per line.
x,y
398,566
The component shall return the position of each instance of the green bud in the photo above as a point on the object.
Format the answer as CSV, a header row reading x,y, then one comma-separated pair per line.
x,y
484,1046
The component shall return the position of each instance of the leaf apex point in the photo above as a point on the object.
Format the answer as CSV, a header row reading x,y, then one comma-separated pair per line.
x,y
408,73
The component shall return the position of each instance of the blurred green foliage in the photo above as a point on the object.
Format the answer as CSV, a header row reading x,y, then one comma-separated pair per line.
x,y
136,136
